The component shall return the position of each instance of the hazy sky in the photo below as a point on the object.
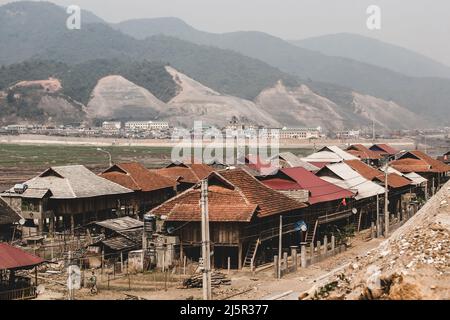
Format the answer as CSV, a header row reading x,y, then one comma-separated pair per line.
x,y
421,25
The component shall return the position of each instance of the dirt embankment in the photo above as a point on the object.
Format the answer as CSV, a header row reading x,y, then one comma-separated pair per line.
x,y
414,263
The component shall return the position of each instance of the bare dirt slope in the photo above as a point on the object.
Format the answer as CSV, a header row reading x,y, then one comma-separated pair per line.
x,y
300,106
414,263
196,102
114,97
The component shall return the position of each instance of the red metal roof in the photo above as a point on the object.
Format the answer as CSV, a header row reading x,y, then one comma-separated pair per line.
x,y
281,184
319,165
320,190
15,258
136,177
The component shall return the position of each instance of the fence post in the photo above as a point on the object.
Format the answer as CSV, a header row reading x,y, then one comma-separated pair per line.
x,y
333,243
303,256
184,265
294,257
285,258
275,266
319,249
311,248
325,245
229,265
121,261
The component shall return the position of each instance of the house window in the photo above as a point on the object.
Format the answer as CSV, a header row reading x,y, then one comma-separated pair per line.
x,y
29,205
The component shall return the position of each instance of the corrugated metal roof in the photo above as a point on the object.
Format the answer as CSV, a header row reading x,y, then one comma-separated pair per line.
x,y
15,258
330,154
345,177
362,152
294,161
120,224
415,178
383,148
320,189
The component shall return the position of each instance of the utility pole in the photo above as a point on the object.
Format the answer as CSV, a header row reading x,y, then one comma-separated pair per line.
x,y
373,130
280,244
378,217
205,241
386,202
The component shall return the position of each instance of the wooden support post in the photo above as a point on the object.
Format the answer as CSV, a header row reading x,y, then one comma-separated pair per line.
x,y
72,225
325,244
285,260
121,262
303,256
229,264
240,256
184,265
311,251
294,258
333,243
275,266
372,229
319,248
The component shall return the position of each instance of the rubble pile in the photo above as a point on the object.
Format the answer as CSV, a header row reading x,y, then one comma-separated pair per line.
x,y
414,263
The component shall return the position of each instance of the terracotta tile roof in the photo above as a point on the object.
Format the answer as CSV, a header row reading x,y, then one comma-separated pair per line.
x,y
233,196
225,203
383,149
136,177
363,152
370,173
417,161
15,258
189,173
270,202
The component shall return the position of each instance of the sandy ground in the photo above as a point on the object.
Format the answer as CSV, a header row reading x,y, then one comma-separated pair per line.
x,y
244,285
91,141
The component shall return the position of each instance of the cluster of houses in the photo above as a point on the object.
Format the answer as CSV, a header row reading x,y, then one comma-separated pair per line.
x,y
320,194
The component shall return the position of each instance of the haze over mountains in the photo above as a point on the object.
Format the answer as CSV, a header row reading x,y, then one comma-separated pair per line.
x,y
120,72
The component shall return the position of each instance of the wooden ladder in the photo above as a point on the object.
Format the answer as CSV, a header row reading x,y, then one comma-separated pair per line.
x,y
249,261
310,236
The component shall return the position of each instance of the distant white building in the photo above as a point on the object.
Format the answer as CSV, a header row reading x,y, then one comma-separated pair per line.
x,y
300,133
146,125
348,134
111,125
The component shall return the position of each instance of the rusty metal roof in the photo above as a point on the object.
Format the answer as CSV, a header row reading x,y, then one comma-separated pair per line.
x,y
15,258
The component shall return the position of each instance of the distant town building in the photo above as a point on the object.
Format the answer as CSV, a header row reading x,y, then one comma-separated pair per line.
x,y
146,125
348,134
111,125
300,133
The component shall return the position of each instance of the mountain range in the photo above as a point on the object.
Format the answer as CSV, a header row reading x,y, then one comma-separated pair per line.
x,y
134,68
